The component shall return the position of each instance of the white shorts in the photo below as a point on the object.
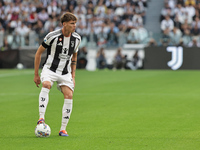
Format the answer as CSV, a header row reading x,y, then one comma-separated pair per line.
x,y
48,75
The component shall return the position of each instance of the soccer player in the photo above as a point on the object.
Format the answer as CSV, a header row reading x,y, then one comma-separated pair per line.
x,y
60,66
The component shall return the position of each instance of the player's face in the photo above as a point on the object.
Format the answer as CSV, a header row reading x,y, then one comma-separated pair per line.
x,y
70,26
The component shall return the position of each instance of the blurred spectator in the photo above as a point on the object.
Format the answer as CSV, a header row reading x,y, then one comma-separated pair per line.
x,y
165,39
141,9
22,34
112,39
39,29
167,24
185,25
71,4
175,36
186,18
89,14
196,22
177,22
172,3
91,36
179,11
31,7
186,37
43,16
39,7
52,9
152,42
97,24
2,31
194,42
101,59
133,36
190,2
137,20
120,3
127,23
166,11
100,10
110,14
133,63
136,59
190,10
90,5
119,60
102,38
110,4
80,7
45,3
129,10
182,2
33,18
51,22
196,13
195,32
122,35
82,58
143,35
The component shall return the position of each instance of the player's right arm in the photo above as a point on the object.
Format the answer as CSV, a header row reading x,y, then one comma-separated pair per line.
x,y
38,54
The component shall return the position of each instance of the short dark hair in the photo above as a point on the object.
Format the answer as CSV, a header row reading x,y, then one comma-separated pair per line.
x,y
66,17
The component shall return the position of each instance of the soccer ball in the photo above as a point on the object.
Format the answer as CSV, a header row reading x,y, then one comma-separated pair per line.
x,y
20,66
42,130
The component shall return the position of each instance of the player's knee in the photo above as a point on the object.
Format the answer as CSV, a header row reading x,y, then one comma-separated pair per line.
x,y
46,85
68,96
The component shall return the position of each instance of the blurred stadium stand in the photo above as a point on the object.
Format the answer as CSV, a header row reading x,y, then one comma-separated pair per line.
x,y
130,24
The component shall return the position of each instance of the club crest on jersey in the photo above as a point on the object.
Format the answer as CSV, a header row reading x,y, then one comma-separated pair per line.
x,y
64,50
72,43
64,54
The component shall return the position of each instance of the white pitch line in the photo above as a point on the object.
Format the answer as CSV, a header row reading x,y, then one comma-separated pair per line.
x,y
14,94
15,74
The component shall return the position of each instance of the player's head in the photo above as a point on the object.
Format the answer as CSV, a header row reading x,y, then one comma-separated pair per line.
x,y
68,21
66,17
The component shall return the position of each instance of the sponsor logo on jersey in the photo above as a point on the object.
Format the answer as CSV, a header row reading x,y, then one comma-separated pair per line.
x,y
60,44
64,56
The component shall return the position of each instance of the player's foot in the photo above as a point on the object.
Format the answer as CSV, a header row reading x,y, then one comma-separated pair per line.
x,y
63,133
41,120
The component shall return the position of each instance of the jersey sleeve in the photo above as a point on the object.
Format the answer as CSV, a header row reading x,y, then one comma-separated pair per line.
x,y
77,45
47,40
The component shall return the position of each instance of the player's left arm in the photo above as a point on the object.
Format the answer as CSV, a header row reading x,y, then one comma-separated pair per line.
x,y
73,66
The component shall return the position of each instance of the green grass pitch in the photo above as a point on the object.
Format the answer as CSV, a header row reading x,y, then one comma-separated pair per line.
x,y
112,110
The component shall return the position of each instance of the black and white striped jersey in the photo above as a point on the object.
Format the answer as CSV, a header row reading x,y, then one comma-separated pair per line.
x,y
60,50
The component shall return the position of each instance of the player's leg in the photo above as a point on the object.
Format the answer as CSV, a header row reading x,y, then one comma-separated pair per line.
x,y
67,108
47,78
44,97
43,100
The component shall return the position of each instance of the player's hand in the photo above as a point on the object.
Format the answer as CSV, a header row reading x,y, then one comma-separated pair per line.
x,y
37,80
